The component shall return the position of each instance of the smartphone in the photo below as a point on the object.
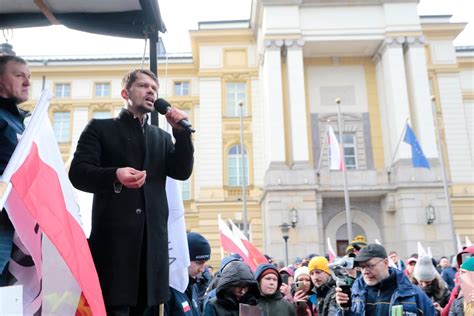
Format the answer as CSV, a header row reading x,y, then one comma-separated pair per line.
x,y
347,290
300,286
284,278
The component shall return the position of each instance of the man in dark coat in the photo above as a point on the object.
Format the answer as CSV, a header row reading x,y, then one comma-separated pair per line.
x,y
14,90
125,162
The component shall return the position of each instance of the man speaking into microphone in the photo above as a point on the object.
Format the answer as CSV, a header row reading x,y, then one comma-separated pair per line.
x,y
125,161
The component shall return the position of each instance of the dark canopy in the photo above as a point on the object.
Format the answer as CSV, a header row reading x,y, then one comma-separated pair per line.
x,y
122,18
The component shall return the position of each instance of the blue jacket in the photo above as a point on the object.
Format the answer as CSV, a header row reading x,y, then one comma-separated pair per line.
x,y
406,294
185,304
11,125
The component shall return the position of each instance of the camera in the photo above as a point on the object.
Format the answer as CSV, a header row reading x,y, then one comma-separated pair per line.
x,y
339,273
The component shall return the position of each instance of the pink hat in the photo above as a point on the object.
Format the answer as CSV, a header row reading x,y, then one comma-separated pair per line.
x,y
412,259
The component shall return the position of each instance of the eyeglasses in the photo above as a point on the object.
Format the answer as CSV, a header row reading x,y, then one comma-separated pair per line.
x,y
370,267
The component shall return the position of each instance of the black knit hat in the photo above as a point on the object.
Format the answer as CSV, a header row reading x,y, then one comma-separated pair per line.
x,y
199,248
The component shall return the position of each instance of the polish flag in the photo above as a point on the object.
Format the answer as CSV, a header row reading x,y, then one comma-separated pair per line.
x,y
40,203
335,151
230,242
255,256
331,252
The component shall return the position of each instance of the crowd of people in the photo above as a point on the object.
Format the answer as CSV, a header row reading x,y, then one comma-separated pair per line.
x,y
367,281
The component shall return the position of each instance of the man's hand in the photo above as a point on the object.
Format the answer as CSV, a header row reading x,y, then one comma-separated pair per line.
x,y
131,178
341,297
174,116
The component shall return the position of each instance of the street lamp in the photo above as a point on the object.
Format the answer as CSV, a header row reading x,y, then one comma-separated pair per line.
x,y
293,217
430,214
285,229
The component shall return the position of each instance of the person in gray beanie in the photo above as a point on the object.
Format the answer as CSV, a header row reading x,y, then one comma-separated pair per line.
x,y
429,280
187,303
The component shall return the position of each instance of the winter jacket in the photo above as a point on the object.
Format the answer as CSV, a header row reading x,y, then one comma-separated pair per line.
x,y
457,308
11,125
326,295
183,304
225,304
448,274
394,290
275,304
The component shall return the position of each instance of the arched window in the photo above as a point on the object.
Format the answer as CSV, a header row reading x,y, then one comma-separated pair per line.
x,y
234,166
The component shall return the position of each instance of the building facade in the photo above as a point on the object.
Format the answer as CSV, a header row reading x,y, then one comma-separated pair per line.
x,y
287,65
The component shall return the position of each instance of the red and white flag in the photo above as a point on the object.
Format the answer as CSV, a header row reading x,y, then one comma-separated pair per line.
x,y
335,152
40,203
230,242
255,257
331,252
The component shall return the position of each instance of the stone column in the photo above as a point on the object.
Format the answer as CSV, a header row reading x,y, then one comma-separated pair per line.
x,y
395,95
419,93
272,83
297,101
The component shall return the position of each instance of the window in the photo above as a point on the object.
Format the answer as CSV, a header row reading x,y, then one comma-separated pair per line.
x,y
102,89
62,121
350,153
101,114
234,166
185,190
181,88
236,92
63,90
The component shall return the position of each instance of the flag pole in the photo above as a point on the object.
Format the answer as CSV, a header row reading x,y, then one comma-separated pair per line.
x,y
443,169
389,171
344,172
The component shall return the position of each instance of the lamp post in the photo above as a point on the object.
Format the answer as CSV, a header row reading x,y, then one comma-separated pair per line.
x,y
285,229
293,217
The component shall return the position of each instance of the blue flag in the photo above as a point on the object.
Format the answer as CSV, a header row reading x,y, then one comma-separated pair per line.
x,y
418,159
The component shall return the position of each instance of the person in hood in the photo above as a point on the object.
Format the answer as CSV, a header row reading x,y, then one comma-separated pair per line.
x,y
235,286
211,289
187,303
382,290
429,280
464,304
270,299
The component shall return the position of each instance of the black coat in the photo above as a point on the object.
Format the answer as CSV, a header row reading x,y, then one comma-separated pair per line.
x,y
121,216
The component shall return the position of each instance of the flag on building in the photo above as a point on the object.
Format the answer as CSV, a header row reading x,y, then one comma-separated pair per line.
x,y
230,242
40,203
335,154
177,238
418,159
331,252
255,257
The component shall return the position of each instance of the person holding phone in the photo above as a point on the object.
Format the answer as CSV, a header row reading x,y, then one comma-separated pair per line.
x,y
303,296
270,299
382,290
286,282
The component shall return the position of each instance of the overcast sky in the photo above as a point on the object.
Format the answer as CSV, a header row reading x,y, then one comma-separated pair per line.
x,y
181,16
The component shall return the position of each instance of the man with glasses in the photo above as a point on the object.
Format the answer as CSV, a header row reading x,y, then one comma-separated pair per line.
x,y
382,290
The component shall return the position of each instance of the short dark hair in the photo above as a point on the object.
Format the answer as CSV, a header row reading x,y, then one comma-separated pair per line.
x,y
5,59
132,76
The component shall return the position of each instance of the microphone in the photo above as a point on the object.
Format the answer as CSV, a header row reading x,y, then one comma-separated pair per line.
x,y
162,106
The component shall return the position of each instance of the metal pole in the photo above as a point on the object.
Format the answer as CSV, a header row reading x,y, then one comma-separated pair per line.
x,y
286,249
443,170
242,162
154,69
344,172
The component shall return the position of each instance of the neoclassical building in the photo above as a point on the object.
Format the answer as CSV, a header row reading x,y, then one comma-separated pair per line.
x,y
287,64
